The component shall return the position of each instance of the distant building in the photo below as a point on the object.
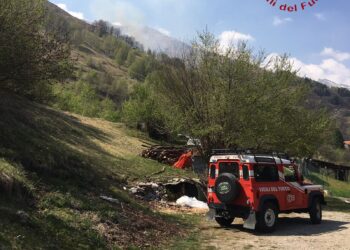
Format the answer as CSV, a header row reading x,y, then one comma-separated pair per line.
x,y
347,144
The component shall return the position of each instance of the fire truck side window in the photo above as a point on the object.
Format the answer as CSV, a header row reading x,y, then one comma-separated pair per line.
x,y
229,167
212,171
245,173
266,173
290,174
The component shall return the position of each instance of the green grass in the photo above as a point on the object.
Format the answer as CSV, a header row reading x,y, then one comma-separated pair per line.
x,y
336,187
193,239
55,165
335,204
52,228
12,172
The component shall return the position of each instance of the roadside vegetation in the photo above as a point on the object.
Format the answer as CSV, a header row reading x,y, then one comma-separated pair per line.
x,y
339,191
336,187
337,205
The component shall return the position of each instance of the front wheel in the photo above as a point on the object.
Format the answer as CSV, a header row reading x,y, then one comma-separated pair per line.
x,y
316,211
223,221
267,218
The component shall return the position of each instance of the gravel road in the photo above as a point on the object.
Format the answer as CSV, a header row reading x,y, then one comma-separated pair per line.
x,y
294,231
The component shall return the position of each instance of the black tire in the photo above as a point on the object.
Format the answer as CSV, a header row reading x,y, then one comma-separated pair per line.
x,y
226,188
224,222
316,211
267,218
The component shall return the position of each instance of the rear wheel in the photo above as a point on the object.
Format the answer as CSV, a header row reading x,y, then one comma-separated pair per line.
x,y
223,221
267,218
316,211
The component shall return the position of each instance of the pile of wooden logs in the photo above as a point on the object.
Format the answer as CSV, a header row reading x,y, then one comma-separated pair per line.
x,y
164,154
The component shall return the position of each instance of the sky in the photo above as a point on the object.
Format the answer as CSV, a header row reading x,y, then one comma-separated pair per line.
x,y
316,38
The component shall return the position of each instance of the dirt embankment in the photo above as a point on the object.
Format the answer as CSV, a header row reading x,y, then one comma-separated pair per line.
x,y
293,232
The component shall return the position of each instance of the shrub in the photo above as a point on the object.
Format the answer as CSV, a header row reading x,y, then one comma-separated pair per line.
x,y
82,99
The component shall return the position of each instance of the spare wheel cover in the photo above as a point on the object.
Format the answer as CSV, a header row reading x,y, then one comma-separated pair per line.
x,y
226,187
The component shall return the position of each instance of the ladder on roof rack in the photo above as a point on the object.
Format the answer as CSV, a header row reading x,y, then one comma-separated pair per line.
x,y
255,153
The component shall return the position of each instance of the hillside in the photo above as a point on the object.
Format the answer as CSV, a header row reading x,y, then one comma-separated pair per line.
x,y
54,166
101,57
335,100
96,63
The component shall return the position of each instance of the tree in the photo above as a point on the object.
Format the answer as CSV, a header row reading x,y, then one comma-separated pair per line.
x,y
117,32
122,53
110,43
140,108
29,54
137,70
101,28
142,67
230,97
338,139
131,58
343,92
118,91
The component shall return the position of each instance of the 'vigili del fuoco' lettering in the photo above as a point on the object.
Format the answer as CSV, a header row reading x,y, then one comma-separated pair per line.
x,y
288,7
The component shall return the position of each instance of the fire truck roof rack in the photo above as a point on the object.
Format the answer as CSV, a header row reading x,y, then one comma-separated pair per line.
x,y
256,153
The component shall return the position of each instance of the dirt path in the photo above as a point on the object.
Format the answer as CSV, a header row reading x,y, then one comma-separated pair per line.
x,y
294,232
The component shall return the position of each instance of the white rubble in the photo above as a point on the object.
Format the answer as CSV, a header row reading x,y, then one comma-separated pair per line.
x,y
191,202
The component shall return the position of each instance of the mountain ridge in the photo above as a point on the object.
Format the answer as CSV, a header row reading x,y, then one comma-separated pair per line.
x,y
331,84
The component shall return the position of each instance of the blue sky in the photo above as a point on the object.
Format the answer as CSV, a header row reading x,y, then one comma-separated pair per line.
x,y
317,39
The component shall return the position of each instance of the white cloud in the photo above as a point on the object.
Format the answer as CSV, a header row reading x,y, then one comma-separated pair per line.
x,y
79,15
338,55
117,24
277,21
320,16
329,69
163,31
231,37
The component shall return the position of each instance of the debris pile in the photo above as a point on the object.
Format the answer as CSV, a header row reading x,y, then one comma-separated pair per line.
x,y
164,154
149,191
169,191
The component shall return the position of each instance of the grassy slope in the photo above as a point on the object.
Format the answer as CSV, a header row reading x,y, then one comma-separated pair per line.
x,y
105,64
55,165
337,188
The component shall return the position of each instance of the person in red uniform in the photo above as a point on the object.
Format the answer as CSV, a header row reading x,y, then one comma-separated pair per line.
x,y
185,160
